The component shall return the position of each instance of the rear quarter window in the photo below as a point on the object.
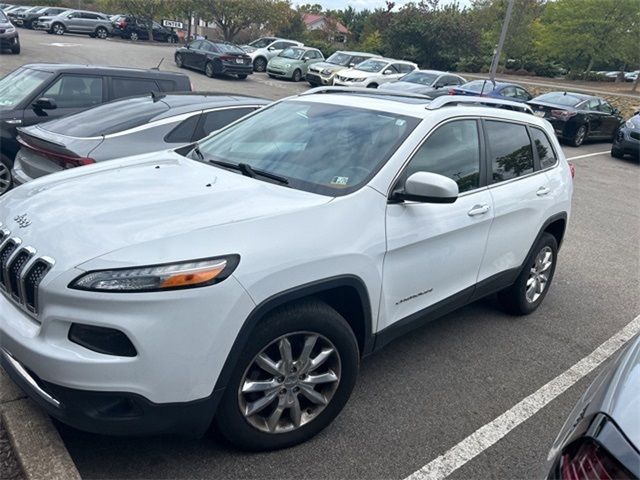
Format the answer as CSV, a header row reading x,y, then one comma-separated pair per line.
x,y
129,87
543,147
510,149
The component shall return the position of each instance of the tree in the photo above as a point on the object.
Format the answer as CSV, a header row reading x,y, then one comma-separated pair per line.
x,y
314,8
294,27
232,16
581,33
146,10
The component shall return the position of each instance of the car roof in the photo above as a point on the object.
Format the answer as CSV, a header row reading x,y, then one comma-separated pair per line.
x,y
581,96
100,69
189,101
366,54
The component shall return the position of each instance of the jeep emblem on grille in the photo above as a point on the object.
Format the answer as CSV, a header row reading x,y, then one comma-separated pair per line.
x,y
22,220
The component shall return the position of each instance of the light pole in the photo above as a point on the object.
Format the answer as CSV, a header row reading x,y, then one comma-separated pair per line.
x,y
503,36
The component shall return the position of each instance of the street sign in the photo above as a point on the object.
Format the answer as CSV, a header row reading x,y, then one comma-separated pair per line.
x,y
172,24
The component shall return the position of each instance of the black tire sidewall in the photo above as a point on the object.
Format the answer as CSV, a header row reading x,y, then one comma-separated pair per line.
x,y
180,63
9,165
207,66
297,75
574,140
260,62
313,316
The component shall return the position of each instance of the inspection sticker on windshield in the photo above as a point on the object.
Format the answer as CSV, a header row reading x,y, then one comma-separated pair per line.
x,y
340,181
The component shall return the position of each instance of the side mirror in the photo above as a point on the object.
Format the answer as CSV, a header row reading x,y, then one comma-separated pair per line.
x,y
271,49
44,103
616,111
351,65
387,72
426,187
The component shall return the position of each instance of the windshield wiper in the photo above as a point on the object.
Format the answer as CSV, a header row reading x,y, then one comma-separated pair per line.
x,y
248,171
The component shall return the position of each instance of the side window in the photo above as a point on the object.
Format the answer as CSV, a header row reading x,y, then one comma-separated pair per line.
x,y
404,68
545,152
71,91
217,119
195,44
279,45
167,85
508,92
184,131
511,152
593,105
457,81
522,94
129,87
453,150
606,108
393,68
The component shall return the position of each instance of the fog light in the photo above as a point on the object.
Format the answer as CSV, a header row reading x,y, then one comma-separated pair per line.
x,y
102,340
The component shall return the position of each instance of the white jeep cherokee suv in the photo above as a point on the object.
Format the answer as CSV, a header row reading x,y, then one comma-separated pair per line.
x,y
243,281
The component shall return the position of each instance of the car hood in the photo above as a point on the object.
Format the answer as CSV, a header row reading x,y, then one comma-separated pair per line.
x,y
635,120
326,66
406,87
80,214
353,73
283,61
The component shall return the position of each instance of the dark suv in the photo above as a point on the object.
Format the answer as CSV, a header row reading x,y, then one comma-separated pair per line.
x,y
9,37
135,28
27,18
38,92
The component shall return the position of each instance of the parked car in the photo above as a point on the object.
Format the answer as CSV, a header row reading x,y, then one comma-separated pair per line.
x,y
293,63
632,76
264,49
374,72
627,139
12,13
125,127
77,21
27,18
577,117
601,437
134,28
214,58
424,82
243,281
487,88
39,92
323,73
9,37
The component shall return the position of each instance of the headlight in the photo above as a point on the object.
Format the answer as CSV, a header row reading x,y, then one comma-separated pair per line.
x,y
153,278
10,29
287,65
359,79
326,71
630,124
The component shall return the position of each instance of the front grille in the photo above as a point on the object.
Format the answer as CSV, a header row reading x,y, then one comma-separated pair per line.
x,y
21,272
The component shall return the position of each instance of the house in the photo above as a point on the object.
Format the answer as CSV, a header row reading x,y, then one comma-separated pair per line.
x,y
336,31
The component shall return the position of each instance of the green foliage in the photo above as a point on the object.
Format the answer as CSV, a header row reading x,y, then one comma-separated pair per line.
x,y
372,42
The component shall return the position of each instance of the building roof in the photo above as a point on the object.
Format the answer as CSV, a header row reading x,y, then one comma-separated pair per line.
x,y
309,19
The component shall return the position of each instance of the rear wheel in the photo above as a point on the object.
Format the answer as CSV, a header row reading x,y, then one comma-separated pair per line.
x,y
532,285
616,152
179,60
260,64
209,69
58,29
102,33
133,36
15,49
5,175
292,379
242,76
580,136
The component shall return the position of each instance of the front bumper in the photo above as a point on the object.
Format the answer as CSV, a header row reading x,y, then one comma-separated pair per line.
x,y
343,83
319,79
279,72
41,25
629,141
182,339
8,40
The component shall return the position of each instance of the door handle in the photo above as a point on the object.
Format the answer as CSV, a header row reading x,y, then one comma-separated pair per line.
x,y
542,191
478,210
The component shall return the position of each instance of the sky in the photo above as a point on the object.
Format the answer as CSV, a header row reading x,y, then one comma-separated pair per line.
x,y
362,4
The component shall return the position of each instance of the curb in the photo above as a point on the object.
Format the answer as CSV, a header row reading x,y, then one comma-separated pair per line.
x,y
35,441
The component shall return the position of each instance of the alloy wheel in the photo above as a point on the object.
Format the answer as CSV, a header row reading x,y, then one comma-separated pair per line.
x,y
290,382
539,275
179,60
580,135
58,29
260,65
133,36
102,33
5,178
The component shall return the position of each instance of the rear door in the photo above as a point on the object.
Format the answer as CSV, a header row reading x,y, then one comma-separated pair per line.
x,y
521,195
595,116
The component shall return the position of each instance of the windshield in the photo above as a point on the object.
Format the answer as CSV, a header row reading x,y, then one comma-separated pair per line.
x,y
372,65
229,48
19,84
339,58
420,78
3,17
327,149
108,118
262,42
293,53
560,99
477,86
36,9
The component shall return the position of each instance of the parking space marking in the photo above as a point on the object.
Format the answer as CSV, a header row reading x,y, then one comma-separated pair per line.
x,y
492,432
588,155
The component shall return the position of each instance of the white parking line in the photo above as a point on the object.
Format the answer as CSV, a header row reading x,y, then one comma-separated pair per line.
x,y
492,432
588,155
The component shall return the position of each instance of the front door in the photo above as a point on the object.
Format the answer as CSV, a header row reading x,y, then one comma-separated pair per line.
x,y
434,251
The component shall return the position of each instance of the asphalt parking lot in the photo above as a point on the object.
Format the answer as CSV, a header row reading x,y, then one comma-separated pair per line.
x,y
426,392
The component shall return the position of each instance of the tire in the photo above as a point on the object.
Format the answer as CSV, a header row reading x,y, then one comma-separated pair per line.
x,y
133,36
58,29
271,76
297,323
372,85
242,76
179,60
297,75
15,49
260,64
6,181
209,69
616,152
171,39
519,298
102,33
579,137
313,84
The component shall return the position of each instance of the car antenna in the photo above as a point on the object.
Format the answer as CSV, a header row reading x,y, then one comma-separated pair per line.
x,y
158,67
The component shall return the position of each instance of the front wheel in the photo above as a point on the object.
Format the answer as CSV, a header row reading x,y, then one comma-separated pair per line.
x,y
133,36
58,29
580,136
616,152
179,60
209,69
102,33
15,49
293,378
259,64
5,175
532,285
242,76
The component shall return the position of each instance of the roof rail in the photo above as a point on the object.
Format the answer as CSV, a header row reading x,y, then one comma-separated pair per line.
x,y
366,91
454,100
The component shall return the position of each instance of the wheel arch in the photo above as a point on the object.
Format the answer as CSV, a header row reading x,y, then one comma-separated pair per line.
x,y
347,294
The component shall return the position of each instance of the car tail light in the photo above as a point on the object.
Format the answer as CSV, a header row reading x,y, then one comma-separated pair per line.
x,y
592,462
572,169
65,161
562,114
452,91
